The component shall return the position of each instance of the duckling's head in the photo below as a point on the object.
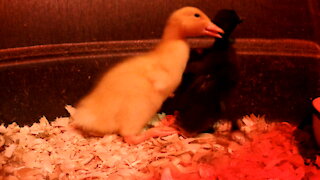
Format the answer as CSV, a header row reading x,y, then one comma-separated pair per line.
x,y
190,22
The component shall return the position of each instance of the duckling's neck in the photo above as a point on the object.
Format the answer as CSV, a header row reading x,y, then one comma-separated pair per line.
x,y
173,50
172,39
172,33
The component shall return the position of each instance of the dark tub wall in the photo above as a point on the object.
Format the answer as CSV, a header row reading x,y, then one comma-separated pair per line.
x,y
35,22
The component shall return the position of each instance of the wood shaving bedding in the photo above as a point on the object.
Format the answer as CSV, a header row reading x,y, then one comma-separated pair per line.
x,y
58,151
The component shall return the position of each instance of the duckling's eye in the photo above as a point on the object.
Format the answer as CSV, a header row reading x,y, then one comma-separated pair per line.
x,y
196,15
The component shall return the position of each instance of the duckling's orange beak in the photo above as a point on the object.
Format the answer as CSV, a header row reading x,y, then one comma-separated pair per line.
x,y
213,30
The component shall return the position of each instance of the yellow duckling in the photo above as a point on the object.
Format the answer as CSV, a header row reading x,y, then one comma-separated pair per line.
x,y
132,92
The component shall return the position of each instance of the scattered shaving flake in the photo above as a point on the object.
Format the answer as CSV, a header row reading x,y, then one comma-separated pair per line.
x,y
3,129
70,109
2,141
60,122
253,123
166,174
10,150
222,126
